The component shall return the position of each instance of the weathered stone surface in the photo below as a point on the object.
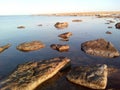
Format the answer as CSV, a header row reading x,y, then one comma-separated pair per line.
x,y
59,47
30,46
61,25
2,48
21,27
94,77
29,75
76,20
65,35
117,25
100,47
108,32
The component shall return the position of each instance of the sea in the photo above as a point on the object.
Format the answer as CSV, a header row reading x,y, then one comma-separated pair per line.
x,y
90,28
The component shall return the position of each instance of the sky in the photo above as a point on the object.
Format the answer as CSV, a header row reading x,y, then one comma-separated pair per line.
x,y
26,7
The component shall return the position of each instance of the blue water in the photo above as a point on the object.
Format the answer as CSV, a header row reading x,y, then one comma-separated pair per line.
x,y
91,28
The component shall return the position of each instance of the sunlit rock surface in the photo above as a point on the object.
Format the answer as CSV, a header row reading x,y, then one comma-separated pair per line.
x,y
94,77
65,35
2,48
30,46
31,74
100,47
61,25
60,47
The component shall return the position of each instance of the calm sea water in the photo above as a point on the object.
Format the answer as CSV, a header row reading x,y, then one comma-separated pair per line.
x,y
91,28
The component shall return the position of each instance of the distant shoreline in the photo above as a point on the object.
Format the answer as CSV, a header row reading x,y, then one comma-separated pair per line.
x,y
81,13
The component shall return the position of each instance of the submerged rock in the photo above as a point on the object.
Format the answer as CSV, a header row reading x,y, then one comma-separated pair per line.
x,y
61,25
29,75
94,77
117,25
59,47
65,35
2,48
21,27
30,46
76,20
64,39
110,21
108,32
39,25
100,47
109,26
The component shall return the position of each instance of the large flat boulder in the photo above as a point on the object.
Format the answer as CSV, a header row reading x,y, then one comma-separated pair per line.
x,y
30,46
61,25
29,75
2,48
117,25
94,77
100,47
60,47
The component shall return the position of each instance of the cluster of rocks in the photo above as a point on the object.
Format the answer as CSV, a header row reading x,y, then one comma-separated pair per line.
x,y
29,75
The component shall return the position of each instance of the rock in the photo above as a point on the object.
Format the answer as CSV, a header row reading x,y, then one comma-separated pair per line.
x,y
94,77
65,35
40,25
29,75
2,48
64,39
110,21
109,26
76,20
117,25
100,47
61,25
108,32
107,23
21,27
59,47
30,46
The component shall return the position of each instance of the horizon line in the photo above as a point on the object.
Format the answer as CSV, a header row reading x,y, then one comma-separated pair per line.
x,y
62,13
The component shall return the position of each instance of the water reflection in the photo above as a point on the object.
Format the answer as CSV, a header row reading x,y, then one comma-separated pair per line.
x,y
92,28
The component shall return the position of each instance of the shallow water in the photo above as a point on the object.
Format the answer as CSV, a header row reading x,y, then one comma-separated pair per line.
x,y
89,29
